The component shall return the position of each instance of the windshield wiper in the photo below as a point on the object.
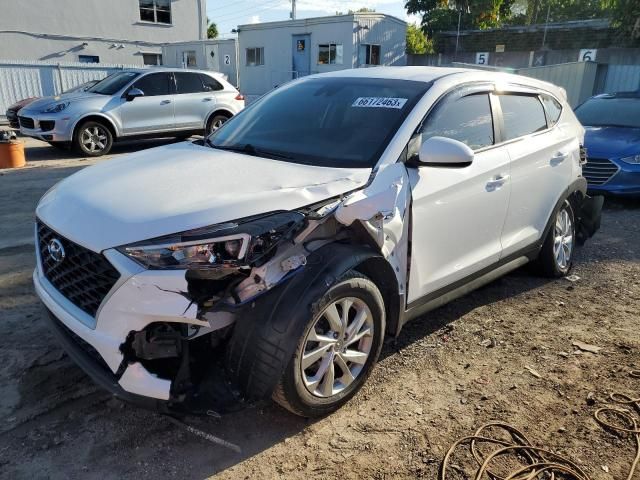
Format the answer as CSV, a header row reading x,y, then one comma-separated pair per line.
x,y
251,150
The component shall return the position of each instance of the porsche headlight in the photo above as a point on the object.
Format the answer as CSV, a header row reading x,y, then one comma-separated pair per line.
x,y
56,107
633,159
217,246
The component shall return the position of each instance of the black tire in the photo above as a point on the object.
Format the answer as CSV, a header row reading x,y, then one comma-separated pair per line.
x,y
59,145
291,392
96,132
547,263
215,122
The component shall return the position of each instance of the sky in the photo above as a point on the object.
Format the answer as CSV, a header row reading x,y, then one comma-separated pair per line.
x,y
228,14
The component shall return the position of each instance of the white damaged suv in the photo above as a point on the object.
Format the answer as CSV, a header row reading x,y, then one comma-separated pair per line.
x,y
271,259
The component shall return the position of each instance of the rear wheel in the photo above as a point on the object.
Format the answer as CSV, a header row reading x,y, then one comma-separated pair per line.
x,y
337,350
556,256
215,123
93,139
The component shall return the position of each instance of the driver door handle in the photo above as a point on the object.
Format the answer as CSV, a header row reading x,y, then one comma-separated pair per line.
x,y
496,182
165,102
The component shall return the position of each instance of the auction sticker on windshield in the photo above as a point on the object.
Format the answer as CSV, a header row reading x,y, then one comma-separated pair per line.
x,y
379,102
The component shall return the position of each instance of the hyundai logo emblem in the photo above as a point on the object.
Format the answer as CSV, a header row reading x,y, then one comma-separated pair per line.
x,y
56,250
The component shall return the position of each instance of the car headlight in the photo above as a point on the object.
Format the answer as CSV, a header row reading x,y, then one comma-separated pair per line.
x,y
633,159
56,107
230,245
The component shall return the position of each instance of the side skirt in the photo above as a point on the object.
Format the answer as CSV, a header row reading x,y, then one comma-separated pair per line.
x,y
447,294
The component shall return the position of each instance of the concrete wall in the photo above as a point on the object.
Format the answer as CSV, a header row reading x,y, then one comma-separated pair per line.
x,y
350,31
514,59
51,30
210,55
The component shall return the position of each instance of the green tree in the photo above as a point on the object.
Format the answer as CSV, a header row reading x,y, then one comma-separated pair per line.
x,y
625,18
417,42
441,15
212,30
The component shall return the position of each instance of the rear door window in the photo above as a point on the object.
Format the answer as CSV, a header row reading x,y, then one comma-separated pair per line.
x,y
154,84
467,119
189,83
523,115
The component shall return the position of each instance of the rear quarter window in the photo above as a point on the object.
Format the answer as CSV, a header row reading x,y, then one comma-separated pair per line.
x,y
523,115
553,108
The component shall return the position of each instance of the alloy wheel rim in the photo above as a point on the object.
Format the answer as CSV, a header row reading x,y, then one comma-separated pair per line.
x,y
217,124
563,239
94,139
337,347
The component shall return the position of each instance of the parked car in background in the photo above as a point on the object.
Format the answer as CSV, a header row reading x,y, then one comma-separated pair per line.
x,y
133,104
12,111
272,258
612,140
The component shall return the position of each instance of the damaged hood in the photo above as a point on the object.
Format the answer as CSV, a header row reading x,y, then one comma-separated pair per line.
x,y
180,187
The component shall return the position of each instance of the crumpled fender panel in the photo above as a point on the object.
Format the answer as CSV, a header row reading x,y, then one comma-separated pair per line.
x,y
268,329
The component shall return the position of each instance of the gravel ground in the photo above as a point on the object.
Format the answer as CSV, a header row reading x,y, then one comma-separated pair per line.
x,y
448,373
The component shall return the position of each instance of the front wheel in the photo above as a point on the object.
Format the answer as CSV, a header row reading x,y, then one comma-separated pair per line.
x,y
337,350
93,139
556,255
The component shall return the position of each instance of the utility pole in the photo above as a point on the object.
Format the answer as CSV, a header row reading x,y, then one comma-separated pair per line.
x,y
546,24
455,57
293,9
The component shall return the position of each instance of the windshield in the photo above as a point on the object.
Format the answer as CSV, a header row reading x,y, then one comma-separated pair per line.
x,y
113,83
82,87
610,112
332,122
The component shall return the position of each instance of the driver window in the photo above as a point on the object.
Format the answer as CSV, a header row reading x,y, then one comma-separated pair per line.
x,y
466,119
154,84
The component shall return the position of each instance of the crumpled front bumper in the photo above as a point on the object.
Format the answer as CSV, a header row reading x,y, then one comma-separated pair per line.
x,y
139,298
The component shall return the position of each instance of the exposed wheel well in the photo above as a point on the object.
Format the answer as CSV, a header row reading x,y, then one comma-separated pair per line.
x,y
381,273
95,118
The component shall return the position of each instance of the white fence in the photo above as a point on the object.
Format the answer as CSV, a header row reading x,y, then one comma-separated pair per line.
x,y
20,80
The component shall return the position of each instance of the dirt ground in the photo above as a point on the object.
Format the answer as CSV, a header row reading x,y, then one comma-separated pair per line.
x,y
448,373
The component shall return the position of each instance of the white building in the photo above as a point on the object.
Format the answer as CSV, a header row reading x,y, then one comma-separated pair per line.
x,y
218,55
273,53
98,31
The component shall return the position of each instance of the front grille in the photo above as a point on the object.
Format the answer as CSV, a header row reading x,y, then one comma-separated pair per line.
x,y
47,125
82,276
27,122
599,171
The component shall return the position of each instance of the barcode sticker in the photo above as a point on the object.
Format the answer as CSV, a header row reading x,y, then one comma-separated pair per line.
x,y
379,102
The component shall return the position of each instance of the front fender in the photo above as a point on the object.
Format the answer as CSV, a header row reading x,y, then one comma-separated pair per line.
x,y
268,329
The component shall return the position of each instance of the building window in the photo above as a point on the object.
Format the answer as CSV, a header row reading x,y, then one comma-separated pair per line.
x,y
152,58
156,11
371,54
88,59
189,59
330,54
255,56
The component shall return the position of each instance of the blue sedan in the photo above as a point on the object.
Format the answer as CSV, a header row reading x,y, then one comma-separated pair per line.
x,y
612,139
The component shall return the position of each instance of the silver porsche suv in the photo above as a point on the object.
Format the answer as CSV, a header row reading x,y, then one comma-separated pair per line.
x,y
133,104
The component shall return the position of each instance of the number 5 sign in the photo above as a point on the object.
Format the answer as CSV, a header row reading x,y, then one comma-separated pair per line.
x,y
482,58
587,55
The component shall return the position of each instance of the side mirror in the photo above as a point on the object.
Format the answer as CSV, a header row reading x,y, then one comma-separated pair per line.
x,y
443,152
134,93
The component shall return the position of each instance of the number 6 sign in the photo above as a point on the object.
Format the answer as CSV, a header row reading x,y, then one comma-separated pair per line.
x,y
587,55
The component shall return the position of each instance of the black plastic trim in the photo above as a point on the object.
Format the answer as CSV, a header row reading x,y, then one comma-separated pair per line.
x,y
96,371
